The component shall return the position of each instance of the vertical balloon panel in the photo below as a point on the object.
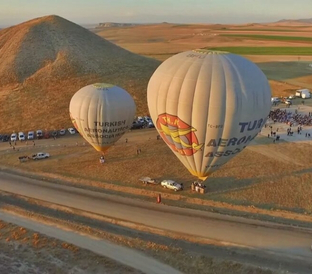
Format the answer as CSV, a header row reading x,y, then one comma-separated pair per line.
x,y
208,106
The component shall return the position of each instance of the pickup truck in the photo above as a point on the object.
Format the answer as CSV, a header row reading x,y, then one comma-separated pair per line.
x,y
148,180
40,155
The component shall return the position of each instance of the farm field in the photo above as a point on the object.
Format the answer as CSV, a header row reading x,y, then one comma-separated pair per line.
x,y
282,51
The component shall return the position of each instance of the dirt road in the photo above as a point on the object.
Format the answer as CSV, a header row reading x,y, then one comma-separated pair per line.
x,y
289,242
120,254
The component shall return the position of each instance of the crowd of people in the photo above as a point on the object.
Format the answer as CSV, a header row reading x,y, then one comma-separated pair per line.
x,y
291,118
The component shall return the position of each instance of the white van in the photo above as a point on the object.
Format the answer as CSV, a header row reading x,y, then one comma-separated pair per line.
x,y
39,134
21,136
31,135
275,100
303,93
13,137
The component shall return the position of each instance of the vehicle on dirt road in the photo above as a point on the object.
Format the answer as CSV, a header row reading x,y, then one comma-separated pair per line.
x,y
71,130
13,137
31,135
148,180
170,184
40,155
62,132
39,134
21,136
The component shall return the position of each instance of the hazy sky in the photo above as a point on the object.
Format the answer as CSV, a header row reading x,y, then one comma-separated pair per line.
x,y
150,11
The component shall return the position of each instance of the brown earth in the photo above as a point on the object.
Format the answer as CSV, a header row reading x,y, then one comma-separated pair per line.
x,y
46,60
26,251
188,254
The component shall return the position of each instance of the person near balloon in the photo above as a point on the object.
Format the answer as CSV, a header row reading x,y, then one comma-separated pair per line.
x,y
102,160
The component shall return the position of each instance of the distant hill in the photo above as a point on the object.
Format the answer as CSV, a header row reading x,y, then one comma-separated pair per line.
x,y
115,25
306,21
46,60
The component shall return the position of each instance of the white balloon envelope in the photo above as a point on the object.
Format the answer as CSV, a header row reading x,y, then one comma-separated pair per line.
x,y
207,106
102,113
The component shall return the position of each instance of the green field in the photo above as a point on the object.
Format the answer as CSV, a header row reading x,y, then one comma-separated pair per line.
x,y
277,30
266,50
271,37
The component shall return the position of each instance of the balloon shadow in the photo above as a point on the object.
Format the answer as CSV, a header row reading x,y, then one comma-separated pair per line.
x,y
224,184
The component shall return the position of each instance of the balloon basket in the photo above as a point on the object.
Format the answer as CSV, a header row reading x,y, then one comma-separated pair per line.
x,y
199,187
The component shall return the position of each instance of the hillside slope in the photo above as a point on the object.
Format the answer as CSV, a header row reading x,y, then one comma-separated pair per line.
x,y
46,60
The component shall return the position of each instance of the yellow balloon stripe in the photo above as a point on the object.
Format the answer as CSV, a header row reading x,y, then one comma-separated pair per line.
x,y
100,148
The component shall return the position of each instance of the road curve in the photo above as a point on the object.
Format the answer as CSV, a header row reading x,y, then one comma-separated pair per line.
x,y
256,234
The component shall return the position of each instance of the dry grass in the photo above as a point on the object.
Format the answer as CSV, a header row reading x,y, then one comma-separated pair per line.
x,y
46,60
25,251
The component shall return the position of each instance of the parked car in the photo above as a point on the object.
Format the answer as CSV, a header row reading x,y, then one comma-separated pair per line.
x,y
147,119
13,137
54,133
275,100
30,135
150,124
149,180
5,138
46,134
170,184
71,130
39,134
136,125
40,155
62,132
21,136
140,119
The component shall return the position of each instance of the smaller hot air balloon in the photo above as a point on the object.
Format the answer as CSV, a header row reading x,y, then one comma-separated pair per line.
x,y
102,113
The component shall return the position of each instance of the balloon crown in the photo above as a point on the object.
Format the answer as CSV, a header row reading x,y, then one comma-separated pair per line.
x,y
102,85
207,51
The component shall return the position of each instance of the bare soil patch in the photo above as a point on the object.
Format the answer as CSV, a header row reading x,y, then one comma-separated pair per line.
x,y
26,251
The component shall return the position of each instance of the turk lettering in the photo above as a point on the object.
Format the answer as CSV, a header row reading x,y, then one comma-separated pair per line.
x,y
107,130
235,141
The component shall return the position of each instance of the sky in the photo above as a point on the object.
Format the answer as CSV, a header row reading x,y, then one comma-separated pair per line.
x,y
13,12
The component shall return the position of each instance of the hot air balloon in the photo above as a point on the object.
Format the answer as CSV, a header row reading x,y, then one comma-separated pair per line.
x,y
207,106
102,113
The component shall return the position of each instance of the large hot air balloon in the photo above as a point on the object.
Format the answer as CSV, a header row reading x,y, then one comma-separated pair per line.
x,y
102,113
207,106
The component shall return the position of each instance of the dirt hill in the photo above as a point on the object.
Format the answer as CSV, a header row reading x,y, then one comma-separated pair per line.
x,y
46,60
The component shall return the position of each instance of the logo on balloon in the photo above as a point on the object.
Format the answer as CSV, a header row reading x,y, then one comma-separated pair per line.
x,y
178,135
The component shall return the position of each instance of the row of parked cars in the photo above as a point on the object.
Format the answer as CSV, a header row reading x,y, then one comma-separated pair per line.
x,y
32,135
139,122
142,122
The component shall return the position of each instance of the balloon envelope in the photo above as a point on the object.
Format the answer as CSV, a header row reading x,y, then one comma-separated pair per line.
x,y
102,113
207,106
